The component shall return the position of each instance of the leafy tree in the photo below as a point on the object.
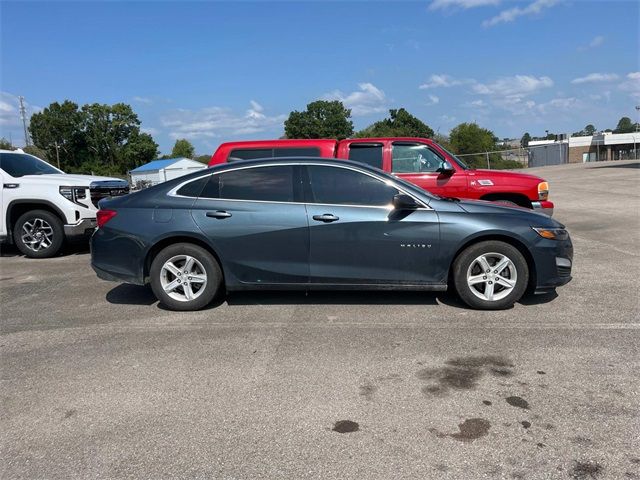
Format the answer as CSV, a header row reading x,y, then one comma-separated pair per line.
x,y
399,124
524,141
589,130
321,119
203,159
35,151
469,138
550,136
58,131
5,144
139,149
624,126
183,148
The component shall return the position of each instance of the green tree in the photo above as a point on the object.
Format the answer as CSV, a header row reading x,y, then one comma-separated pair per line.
x,y
5,144
203,159
524,141
321,119
183,148
589,130
624,126
58,131
469,138
400,123
139,149
36,152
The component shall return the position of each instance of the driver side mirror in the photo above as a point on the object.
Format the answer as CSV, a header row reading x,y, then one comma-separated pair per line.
x,y
402,201
446,168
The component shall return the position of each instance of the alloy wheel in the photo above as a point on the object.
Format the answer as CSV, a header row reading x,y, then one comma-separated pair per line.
x,y
183,278
37,234
492,276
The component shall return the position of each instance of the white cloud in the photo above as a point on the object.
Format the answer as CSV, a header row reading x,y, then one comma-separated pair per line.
x,y
447,118
150,130
632,85
597,41
595,77
217,121
511,14
443,81
516,86
432,100
143,100
369,99
448,4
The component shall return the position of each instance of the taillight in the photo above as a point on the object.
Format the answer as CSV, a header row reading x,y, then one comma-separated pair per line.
x,y
103,216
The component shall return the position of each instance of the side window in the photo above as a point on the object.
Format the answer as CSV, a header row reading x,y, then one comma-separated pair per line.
x,y
194,188
250,154
369,153
335,185
296,152
414,158
268,184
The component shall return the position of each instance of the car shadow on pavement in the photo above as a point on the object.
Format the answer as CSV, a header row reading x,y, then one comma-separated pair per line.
x,y
624,165
127,294
77,248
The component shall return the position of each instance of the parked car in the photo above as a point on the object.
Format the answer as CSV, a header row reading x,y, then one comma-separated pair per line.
x,y
304,223
418,160
42,206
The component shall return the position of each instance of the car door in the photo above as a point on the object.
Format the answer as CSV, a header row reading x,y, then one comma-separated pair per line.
x,y
419,164
259,229
355,235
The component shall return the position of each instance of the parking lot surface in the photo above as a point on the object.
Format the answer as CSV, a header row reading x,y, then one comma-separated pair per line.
x,y
100,381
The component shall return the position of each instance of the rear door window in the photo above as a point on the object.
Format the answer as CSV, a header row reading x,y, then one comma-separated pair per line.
x,y
369,153
266,184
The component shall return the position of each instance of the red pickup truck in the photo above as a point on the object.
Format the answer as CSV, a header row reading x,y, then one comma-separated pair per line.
x,y
418,160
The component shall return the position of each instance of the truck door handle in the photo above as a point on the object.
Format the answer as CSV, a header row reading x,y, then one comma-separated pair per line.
x,y
219,214
326,218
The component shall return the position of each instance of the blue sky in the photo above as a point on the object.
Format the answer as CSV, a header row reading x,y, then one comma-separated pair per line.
x,y
219,71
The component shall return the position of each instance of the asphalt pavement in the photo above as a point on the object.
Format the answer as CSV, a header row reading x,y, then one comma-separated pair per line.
x,y
97,380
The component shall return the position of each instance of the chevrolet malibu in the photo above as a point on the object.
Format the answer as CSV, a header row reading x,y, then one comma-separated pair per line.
x,y
310,223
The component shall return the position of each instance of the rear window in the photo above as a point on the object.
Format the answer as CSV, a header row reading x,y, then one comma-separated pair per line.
x,y
266,184
254,153
193,189
369,153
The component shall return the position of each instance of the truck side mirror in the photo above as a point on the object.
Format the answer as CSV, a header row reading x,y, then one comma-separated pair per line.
x,y
446,169
402,201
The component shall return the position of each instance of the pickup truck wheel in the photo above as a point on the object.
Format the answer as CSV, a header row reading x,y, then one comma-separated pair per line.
x,y
490,275
185,277
38,234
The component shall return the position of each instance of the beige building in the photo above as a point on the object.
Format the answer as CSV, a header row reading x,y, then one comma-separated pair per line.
x,y
598,147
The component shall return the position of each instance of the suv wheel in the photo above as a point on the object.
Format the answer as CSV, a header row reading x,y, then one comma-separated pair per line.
x,y
185,277
490,275
38,234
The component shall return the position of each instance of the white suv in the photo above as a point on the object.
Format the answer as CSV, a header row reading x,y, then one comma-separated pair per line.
x,y
41,206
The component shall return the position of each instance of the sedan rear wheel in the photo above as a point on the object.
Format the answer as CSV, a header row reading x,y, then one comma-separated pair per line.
x,y
185,277
491,275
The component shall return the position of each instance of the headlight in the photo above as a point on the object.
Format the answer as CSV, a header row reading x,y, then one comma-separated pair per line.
x,y
73,193
552,233
543,190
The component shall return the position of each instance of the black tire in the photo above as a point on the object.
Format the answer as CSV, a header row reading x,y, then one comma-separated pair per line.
x,y
466,264
204,295
46,234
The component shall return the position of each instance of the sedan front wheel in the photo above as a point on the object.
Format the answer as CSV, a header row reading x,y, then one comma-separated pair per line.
x,y
490,275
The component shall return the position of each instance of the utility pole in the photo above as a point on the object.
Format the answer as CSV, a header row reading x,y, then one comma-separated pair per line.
x,y
23,116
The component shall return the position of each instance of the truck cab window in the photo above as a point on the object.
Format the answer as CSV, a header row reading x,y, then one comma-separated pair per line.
x,y
369,153
414,158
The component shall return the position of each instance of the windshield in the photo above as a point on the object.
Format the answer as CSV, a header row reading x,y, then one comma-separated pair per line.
x,y
463,165
21,164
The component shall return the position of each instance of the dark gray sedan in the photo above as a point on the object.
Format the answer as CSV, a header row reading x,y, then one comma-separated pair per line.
x,y
322,224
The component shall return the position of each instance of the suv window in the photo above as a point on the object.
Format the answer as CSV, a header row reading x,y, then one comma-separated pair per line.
x,y
20,164
267,184
335,185
369,153
414,158
250,154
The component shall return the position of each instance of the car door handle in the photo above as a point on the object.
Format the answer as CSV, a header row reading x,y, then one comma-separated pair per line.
x,y
220,214
326,218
